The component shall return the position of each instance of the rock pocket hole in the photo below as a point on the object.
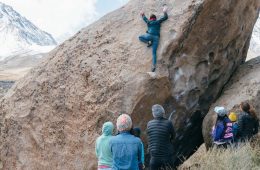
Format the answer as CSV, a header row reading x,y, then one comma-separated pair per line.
x,y
211,57
215,75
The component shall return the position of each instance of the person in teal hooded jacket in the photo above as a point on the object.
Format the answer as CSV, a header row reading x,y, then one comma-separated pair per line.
x,y
103,151
152,35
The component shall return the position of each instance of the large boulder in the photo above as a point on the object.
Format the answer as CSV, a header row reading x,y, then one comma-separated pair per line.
x,y
51,118
244,86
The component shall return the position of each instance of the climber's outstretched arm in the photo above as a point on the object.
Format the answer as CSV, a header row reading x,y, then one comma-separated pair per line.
x,y
144,17
165,16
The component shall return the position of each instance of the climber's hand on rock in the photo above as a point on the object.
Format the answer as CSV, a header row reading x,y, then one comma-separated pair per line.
x,y
165,8
142,13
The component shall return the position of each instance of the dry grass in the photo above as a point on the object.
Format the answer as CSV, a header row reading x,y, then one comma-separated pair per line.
x,y
244,157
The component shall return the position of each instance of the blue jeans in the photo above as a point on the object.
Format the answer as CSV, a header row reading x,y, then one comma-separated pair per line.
x,y
155,40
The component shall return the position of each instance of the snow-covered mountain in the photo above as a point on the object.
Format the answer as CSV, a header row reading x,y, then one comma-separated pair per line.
x,y
18,36
254,49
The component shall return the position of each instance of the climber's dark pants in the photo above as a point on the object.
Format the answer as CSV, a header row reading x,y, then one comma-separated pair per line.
x,y
161,163
155,42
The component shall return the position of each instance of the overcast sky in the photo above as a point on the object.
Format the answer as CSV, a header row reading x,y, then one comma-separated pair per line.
x,y
63,18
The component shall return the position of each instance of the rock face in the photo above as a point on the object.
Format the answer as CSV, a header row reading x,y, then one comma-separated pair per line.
x,y
243,86
51,118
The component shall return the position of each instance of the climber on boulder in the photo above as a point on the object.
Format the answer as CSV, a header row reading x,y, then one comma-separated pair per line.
x,y
152,35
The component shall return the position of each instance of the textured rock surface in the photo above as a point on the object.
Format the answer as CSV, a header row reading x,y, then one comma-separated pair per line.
x,y
243,86
51,118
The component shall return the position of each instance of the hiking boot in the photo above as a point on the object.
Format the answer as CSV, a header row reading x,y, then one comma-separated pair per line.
x,y
153,68
149,44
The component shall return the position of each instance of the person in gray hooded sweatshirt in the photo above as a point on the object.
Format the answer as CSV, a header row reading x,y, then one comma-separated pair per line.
x,y
160,133
103,151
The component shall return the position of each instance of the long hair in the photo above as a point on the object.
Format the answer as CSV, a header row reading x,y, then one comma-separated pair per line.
x,y
248,109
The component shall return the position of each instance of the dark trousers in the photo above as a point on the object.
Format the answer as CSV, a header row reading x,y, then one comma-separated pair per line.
x,y
161,163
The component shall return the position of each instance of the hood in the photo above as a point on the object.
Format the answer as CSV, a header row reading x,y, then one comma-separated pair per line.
x,y
107,128
221,111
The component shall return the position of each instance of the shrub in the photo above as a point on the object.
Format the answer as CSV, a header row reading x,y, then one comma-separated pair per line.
x,y
245,156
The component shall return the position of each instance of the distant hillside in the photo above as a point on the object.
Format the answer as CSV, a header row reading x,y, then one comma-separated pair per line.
x,y
18,36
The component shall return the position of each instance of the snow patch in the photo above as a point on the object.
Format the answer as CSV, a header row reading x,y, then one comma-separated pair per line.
x,y
18,36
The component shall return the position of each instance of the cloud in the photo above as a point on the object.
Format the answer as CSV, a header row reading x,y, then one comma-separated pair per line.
x,y
122,2
61,18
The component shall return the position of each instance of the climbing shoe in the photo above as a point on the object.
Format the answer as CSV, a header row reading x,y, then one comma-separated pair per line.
x,y
149,44
153,68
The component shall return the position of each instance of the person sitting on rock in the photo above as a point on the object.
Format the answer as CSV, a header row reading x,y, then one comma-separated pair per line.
x,y
247,122
152,35
233,118
137,133
222,131
102,148
160,133
126,148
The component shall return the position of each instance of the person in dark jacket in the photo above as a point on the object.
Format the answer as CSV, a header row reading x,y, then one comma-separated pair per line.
x,y
152,35
160,132
223,130
248,123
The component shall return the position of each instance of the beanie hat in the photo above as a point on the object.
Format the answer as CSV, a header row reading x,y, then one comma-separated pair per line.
x,y
137,132
158,111
124,123
232,116
221,111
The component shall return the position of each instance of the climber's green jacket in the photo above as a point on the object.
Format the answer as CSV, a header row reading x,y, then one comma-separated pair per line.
x,y
154,26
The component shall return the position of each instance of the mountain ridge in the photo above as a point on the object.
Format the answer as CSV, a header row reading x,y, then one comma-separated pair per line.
x,y
18,35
